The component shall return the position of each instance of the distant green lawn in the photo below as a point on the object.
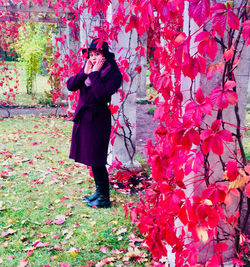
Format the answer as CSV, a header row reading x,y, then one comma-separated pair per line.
x,y
41,207
22,98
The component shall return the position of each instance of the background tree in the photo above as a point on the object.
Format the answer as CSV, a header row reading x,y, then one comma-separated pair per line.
x,y
31,47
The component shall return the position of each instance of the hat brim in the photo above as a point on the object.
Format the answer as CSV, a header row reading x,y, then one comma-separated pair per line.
x,y
107,54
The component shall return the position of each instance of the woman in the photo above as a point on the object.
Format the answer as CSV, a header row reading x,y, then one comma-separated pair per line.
x,y
99,79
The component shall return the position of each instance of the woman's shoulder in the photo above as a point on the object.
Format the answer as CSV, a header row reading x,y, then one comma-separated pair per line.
x,y
110,69
114,74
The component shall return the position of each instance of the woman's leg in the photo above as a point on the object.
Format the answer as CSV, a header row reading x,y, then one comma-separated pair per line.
x,y
97,192
102,185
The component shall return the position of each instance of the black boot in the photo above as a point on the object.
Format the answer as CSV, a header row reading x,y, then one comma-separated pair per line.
x,y
92,197
102,181
101,202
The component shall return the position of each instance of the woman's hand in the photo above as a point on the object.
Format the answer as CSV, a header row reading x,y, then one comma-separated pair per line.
x,y
98,65
88,67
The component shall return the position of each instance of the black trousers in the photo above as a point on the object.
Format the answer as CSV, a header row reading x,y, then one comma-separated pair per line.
x,y
101,178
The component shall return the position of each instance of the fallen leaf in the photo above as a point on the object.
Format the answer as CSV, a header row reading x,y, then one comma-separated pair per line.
x,y
23,263
93,223
10,257
69,234
74,254
63,264
2,207
39,244
121,231
57,247
9,232
29,253
59,221
103,249
104,262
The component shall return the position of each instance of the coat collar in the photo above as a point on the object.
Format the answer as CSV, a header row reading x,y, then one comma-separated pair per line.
x,y
103,73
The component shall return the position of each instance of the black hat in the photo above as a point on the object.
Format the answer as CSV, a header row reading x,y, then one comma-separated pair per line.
x,y
99,44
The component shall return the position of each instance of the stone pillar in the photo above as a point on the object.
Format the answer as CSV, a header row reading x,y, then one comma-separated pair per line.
x,y
189,28
242,74
228,114
124,147
141,91
87,24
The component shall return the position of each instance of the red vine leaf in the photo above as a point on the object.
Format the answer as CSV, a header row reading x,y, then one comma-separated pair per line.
x,y
180,39
232,170
228,54
196,109
233,20
214,261
224,16
221,247
215,193
247,190
213,138
246,32
199,10
224,97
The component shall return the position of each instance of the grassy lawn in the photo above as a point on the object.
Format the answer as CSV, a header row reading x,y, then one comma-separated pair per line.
x,y
22,98
42,216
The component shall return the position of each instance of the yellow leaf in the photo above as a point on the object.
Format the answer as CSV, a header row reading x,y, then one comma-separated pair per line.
x,y
202,233
241,180
208,202
5,244
74,254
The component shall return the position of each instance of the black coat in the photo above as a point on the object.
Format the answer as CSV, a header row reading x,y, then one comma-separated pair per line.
x,y
92,119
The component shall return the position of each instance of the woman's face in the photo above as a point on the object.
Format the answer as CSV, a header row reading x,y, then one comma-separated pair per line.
x,y
94,56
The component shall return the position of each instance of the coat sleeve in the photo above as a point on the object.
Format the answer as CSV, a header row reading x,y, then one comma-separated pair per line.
x,y
76,82
104,89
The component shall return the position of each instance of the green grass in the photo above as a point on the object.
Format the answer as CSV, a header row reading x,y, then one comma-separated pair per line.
x,y
22,98
39,185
